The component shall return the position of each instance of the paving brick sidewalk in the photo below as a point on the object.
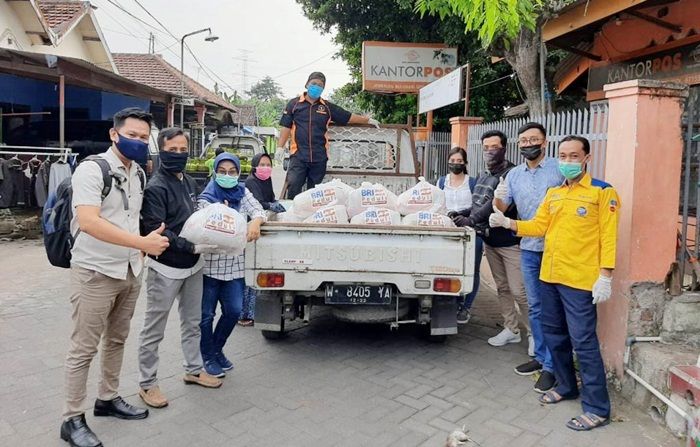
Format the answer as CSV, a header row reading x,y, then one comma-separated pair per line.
x,y
327,384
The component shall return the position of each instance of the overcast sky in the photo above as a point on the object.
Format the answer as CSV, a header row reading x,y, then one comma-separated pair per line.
x,y
273,34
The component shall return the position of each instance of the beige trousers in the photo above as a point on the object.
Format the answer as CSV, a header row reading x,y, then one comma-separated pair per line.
x,y
505,267
102,310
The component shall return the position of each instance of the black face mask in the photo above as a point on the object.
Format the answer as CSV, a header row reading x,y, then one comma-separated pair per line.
x,y
494,159
531,152
456,168
173,162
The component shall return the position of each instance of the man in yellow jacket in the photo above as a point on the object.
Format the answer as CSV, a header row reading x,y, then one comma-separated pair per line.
x,y
579,223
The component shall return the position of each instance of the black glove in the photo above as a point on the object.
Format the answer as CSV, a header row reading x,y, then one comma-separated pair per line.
x,y
460,221
277,207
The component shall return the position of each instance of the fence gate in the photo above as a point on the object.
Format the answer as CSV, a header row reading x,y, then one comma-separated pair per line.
x,y
433,155
689,246
591,123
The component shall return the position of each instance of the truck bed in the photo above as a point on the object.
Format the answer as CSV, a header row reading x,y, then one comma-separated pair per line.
x,y
314,254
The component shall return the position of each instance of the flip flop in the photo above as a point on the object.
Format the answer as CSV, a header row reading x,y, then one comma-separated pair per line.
x,y
551,397
587,421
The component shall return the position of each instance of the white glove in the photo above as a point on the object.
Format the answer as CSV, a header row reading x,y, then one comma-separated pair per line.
x,y
498,219
602,289
373,122
205,248
501,192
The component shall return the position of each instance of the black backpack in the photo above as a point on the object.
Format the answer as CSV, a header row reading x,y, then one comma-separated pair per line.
x,y
58,213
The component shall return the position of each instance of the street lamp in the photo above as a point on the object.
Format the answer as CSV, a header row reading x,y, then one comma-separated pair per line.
x,y
210,38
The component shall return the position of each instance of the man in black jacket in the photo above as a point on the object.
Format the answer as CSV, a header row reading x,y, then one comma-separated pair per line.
x,y
170,198
501,247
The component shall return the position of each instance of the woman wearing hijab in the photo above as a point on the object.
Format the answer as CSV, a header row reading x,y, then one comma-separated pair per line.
x,y
223,274
259,183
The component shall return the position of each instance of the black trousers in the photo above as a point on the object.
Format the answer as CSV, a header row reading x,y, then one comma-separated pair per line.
x,y
300,172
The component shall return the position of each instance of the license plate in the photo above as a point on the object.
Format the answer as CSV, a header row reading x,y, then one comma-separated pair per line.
x,y
358,294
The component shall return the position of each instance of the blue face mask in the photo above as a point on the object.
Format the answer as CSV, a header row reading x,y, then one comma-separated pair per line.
x,y
226,181
314,91
132,149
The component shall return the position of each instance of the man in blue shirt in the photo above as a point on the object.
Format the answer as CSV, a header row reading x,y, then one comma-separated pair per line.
x,y
526,185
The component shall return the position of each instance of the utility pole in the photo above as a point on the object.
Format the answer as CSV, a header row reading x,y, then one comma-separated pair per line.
x,y
151,43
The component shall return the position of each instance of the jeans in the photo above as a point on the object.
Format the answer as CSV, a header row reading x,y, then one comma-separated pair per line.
x,y
530,263
300,172
569,318
248,312
230,295
479,253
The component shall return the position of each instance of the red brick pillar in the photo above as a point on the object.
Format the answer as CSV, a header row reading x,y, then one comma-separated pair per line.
x,y
460,129
643,163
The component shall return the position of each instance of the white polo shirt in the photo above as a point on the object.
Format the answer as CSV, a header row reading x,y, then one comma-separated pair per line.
x,y
89,252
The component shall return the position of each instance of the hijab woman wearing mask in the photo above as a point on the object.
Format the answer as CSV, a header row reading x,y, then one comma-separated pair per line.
x,y
224,274
259,183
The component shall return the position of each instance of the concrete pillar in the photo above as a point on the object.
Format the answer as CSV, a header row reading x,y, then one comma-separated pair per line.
x,y
643,163
170,114
460,129
200,109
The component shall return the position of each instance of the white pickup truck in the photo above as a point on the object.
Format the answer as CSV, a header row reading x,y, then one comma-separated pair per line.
x,y
366,273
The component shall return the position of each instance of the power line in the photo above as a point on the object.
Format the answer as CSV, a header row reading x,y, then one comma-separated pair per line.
x,y
303,66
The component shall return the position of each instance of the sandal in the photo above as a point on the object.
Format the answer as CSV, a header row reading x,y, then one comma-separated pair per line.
x,y
587,421
245,322
551,397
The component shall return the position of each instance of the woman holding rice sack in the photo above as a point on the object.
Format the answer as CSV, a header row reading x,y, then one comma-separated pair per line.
x,y
223,274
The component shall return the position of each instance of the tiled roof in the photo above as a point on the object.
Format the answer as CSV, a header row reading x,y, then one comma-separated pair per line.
x,y
60,15
156,72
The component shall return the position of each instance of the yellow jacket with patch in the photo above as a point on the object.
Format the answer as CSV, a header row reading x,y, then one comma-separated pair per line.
x,y
579,225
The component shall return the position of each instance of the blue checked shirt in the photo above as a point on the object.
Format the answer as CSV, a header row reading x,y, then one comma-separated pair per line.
x,y
527,187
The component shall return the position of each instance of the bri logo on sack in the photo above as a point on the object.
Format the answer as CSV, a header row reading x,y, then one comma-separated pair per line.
x,y
421,196
222,223
377,217
581,211
373,197
427,219
322,197
325,216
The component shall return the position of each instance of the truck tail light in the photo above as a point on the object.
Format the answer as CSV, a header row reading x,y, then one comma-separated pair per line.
x,y
271,279
450,285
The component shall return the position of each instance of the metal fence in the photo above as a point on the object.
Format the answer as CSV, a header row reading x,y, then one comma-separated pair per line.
x,y
591,123
689,232
433,155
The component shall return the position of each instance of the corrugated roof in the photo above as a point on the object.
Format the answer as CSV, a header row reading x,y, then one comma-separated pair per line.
x,y
61,15
156,72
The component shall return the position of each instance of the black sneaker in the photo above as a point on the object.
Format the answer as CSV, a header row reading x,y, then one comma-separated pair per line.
x,y
545,383
529,368
463,316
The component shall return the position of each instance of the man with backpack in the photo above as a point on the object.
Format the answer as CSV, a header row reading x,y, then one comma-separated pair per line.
x,y
106,262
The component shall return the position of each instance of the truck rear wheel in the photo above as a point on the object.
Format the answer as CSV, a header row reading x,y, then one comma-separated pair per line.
x,y
268,314
274,335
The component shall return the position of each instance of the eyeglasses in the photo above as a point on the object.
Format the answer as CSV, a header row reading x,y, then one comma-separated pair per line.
x,y
531,140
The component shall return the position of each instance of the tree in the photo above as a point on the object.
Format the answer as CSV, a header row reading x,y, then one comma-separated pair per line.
x,y
395,20
509,28
265,90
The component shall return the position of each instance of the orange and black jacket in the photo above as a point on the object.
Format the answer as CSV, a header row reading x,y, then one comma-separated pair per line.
x,y
309,123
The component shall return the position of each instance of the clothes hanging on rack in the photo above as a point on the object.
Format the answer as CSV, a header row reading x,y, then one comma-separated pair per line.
x,y
60,171
6,185
41,185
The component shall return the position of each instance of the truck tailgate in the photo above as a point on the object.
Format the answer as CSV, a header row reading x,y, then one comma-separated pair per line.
x,y
314,254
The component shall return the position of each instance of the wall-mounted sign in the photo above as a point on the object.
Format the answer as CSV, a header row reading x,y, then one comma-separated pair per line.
x,y
681,64
397,67
447,90
184,101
